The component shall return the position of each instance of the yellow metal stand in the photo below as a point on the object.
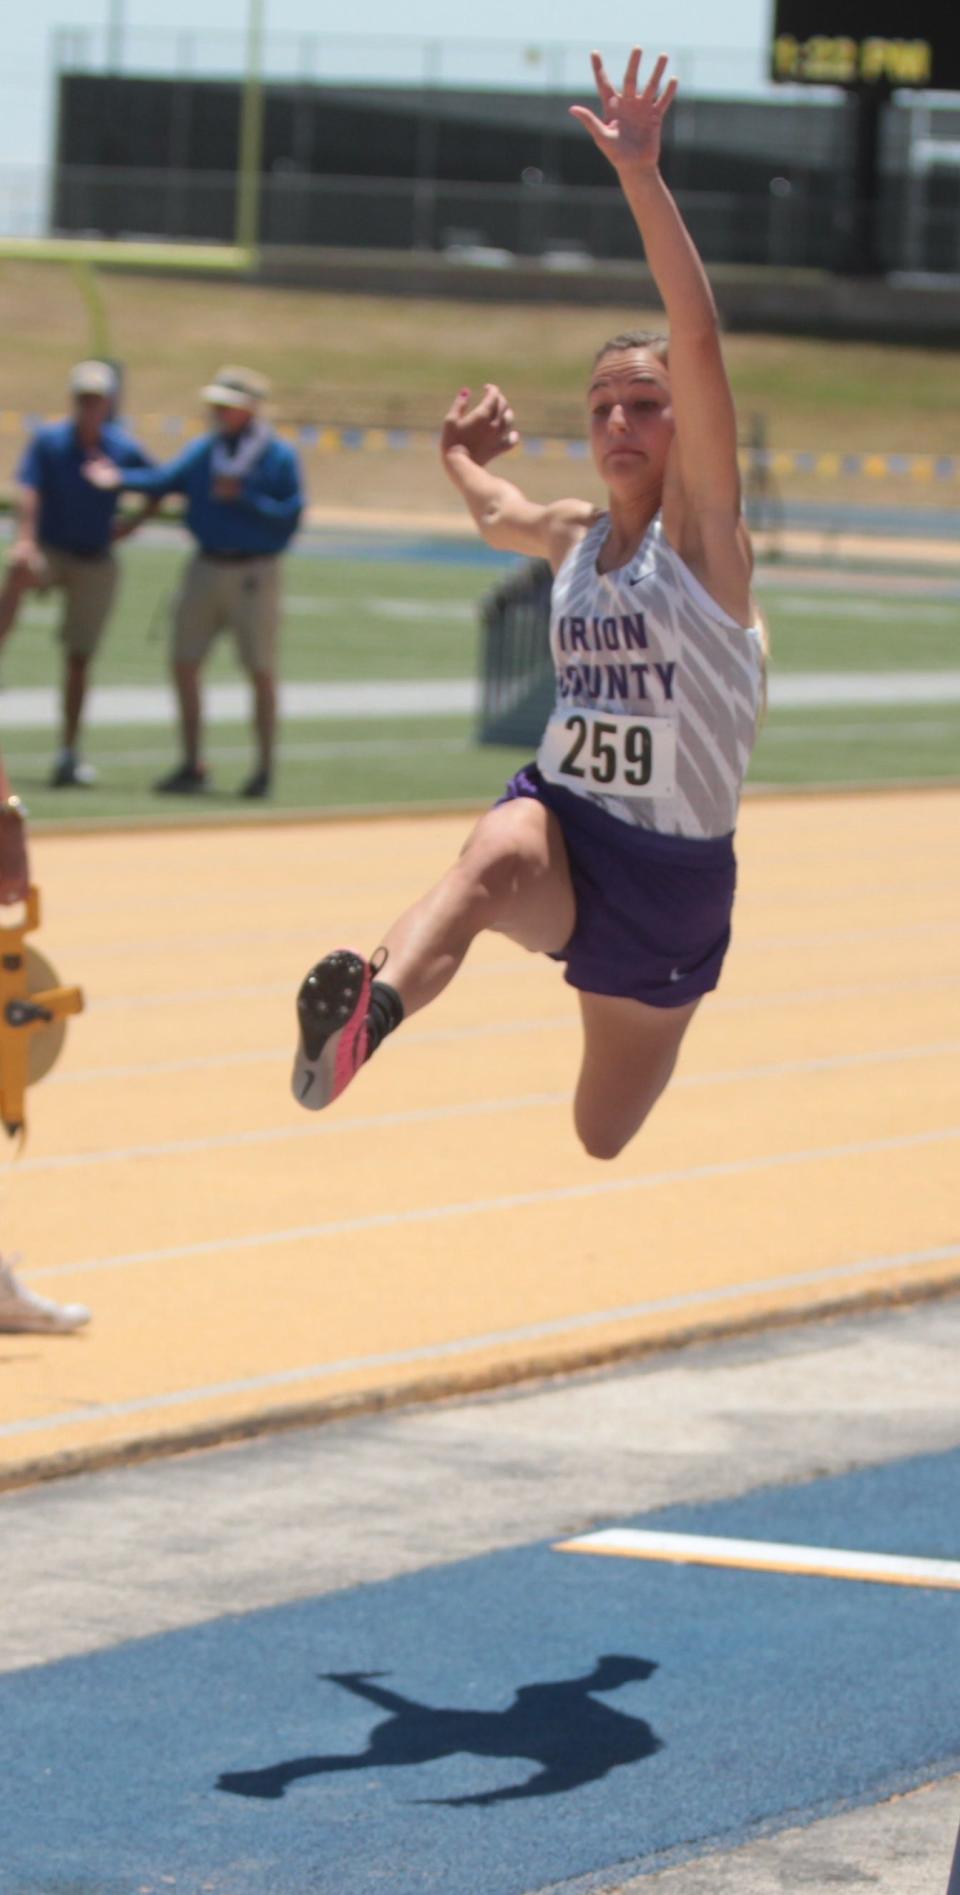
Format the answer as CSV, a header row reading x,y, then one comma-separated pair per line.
x,y
33,1013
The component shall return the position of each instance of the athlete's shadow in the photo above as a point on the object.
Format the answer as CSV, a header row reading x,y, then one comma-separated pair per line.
x,y
562,1727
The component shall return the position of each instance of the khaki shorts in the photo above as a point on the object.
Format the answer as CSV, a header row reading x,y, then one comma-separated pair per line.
x,y
88,587
242,597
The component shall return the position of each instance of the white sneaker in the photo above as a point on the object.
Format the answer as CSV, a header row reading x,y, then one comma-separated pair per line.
x,y
23,1312
69,772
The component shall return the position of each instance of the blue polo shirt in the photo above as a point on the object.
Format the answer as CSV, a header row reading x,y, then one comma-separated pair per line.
x,y
75,516
262,520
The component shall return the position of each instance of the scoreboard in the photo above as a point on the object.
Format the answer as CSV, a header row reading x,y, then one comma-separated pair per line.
x,y
867,43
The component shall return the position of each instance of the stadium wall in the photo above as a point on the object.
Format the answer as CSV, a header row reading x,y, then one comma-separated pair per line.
x,y
481,175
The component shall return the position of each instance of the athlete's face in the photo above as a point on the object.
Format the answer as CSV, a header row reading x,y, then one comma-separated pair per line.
x,y
631,420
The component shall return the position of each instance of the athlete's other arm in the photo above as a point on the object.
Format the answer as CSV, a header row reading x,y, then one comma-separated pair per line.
x,y
470,439
703,480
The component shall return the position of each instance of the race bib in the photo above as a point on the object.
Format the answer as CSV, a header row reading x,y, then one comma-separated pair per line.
x,y
609,753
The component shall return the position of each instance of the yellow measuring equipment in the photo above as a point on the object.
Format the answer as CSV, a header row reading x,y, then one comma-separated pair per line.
x,y
34,1007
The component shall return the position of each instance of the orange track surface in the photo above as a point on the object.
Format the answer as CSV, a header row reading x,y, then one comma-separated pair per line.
x,y
244,1260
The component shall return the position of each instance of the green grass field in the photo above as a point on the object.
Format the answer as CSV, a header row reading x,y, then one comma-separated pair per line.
x,y
349,618
395,360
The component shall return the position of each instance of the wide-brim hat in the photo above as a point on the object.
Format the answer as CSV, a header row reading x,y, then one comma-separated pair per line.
x,y
236,388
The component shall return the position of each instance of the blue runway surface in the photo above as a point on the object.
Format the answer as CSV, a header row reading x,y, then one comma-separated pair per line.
x,y
499,1724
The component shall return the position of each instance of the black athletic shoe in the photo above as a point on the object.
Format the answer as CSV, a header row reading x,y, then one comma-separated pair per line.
x,y
334,1041
259,784
188,779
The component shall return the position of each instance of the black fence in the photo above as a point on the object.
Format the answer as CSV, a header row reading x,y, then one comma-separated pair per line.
x,y
486,174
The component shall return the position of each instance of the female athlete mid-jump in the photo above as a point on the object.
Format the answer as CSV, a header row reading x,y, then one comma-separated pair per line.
x,y
613,852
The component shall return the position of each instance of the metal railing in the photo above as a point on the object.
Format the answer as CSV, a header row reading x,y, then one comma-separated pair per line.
x,y
489,224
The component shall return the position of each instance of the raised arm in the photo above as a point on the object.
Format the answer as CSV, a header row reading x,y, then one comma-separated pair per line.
x,y
629,136
470,439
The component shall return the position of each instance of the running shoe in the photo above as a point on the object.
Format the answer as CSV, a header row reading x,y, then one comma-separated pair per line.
x,y
259,784
70,773
23,1312
188,779
332,1010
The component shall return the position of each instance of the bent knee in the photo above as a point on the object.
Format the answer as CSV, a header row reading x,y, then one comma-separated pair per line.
x,y
503,864
604,1141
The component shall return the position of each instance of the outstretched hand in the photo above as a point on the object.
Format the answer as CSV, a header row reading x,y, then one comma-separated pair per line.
x,y
629,132
485,430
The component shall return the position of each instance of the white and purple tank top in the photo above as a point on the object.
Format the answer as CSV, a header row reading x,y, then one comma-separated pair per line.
x,y
658,690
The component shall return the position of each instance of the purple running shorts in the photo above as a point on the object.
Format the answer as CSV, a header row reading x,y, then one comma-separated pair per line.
x,y
653,911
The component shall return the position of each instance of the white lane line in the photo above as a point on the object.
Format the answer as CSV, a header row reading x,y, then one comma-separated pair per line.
x,y
36,707
824,688
839,606
197,941
842,733
718,1003
420,611
721,1076
286,1134
114,706
767,1556
514,1201
468,1345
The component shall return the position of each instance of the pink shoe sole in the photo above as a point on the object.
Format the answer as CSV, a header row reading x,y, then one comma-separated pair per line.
x,y
332,1010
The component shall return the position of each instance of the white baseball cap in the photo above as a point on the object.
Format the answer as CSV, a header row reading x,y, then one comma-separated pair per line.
x,y
236,388
93,378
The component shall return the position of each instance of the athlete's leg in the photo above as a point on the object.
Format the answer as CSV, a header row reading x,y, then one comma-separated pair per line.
x,y
629,1053
512,877
186,679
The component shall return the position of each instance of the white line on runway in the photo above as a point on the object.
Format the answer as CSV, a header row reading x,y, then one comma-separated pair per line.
x,y
470,1345
515,1201
842,733
112,706
733,1075
804,996
801,605
767,1556
197,942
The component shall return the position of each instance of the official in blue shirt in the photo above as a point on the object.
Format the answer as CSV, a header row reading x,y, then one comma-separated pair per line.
x,y
244,498
65,533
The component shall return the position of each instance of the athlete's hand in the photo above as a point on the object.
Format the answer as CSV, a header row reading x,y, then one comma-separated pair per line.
x,y
483,431
630,131
226,487
102,473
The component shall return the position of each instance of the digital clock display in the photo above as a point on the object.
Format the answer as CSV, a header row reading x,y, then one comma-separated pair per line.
x,y
854,43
